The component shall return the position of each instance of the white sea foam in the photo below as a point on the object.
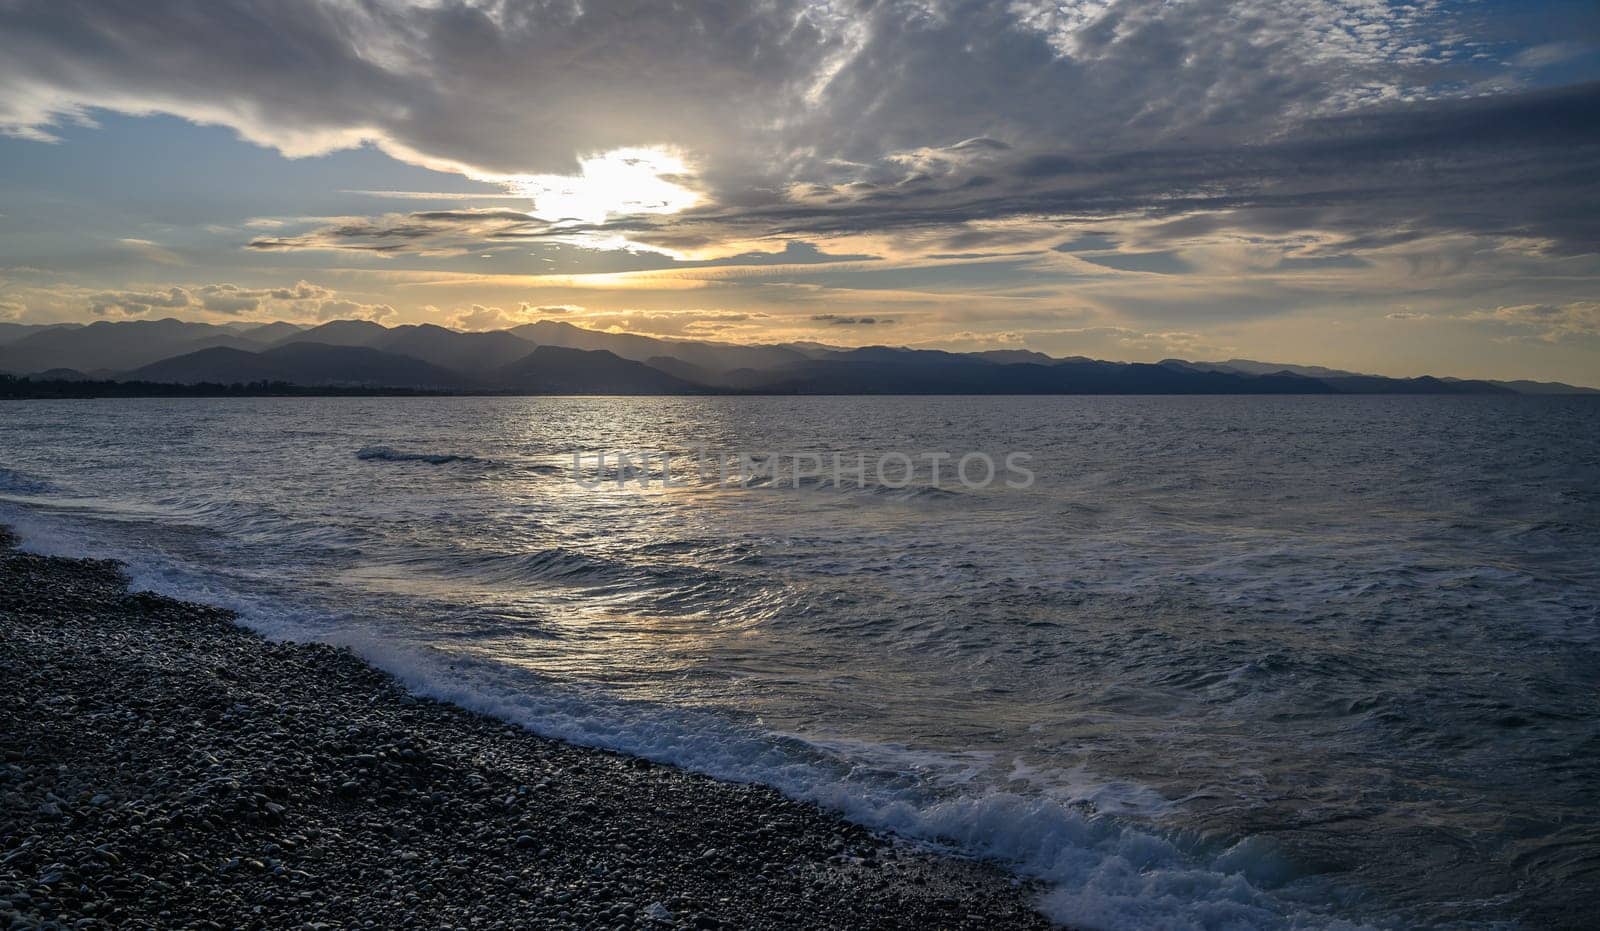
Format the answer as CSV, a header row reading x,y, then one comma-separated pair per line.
x,y
1340,650
1102,872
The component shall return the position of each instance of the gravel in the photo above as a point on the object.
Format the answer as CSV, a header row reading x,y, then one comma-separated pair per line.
x,y
163,767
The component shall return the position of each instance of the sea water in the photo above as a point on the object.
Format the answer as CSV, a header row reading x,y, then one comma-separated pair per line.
x,y
1225,662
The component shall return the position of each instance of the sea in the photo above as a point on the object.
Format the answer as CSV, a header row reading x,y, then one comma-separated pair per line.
x,y
1221,662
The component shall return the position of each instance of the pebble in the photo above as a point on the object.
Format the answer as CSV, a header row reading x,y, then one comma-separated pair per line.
x,y
226,782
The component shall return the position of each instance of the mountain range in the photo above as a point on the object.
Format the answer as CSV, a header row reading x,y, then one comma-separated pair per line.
x,y
554,357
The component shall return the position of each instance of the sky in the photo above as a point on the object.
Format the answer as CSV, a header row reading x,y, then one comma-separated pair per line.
x,y
1388,187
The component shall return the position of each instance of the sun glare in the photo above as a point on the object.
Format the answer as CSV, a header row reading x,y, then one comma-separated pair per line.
x,y
616,183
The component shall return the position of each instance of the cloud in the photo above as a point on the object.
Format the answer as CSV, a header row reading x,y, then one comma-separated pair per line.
x,y
688,323
807,89
1518,165
481,317
300,301
301,291
1158,263
151,251
429,232
1175,165
445,233
138,303
1092,341
491,87
810,119
1551,53
229,299
838,320
352,310
1579,320
969,339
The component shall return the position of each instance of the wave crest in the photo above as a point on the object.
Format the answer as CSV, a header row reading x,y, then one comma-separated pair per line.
x,y
390,454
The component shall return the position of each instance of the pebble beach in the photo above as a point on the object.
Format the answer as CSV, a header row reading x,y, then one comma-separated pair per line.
x,y
163,767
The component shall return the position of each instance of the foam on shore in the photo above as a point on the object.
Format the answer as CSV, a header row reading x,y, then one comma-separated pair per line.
x,y
1103,872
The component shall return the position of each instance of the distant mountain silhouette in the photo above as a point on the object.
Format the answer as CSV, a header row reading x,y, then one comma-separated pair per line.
x,y
116,346
461,351
559,370
219,365
11,332
554,357
1251,367
63,375
1011,356
690,372
269,333
1427,384
1358,383
881,370
341,333
1523,386
302,363
709,356
464,352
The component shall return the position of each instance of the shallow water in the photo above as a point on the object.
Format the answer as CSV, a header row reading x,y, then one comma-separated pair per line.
x,y
1229,662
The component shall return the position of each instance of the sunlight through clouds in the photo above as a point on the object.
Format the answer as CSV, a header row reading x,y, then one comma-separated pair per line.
x,y
1288,168
634,180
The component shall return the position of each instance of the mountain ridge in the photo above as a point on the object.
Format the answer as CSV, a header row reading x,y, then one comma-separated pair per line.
x,y
556,357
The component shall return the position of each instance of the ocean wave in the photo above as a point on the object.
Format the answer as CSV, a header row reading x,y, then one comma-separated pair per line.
x,y
866,490
551,564
651,587
685,474
14,482
390,454
1101,870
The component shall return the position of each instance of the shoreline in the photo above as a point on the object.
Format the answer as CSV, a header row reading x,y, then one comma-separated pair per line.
x,y
163,766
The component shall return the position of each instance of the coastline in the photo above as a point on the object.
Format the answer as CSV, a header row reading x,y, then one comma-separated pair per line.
x,y
162,766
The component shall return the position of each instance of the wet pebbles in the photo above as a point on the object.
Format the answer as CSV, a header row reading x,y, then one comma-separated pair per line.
x,y
161,767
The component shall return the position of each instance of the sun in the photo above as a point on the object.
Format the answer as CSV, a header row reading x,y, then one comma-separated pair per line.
x,y
634,180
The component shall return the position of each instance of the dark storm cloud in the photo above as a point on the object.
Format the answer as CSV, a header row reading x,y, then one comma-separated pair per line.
x,y
1524,165
500,87
1514,165
785,87
811,119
